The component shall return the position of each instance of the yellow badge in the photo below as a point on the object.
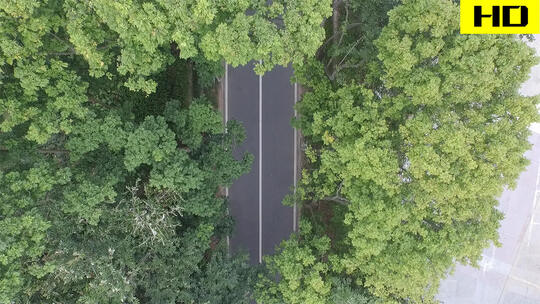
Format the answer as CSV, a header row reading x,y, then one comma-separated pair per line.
x,y
500,16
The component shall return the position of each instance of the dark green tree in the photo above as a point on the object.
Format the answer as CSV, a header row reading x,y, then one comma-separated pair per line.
x,y
110,170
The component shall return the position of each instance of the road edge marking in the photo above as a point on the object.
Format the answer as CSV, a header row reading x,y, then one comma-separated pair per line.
x,y
260,166
226,111
295,158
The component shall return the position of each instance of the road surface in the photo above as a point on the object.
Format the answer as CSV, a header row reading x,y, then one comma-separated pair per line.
x,y
264,106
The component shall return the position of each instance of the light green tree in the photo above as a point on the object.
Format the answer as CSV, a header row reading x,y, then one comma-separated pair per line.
x,y
415,152
131,42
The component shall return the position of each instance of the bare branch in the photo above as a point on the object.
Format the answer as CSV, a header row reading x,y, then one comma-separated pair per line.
x,y
331,38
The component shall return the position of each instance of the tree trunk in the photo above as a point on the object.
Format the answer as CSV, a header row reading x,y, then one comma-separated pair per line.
x,y
335,20
335,30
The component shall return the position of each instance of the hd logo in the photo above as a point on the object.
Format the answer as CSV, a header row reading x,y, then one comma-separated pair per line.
x,y
500,16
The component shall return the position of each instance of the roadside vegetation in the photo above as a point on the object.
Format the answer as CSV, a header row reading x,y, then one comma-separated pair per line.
x,y
112,154
412,131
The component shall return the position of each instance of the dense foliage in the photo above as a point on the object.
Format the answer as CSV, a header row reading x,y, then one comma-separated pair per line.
x,y
410,139
300,269
305,275
130,42
122,211
111,163
110,168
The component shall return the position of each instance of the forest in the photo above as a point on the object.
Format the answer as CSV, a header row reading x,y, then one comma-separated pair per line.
x,y
114,155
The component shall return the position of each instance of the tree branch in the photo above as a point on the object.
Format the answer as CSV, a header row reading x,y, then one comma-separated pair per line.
x,y
331,38
43,151
336,199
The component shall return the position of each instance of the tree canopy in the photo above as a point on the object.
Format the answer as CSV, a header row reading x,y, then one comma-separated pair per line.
x,y
111,163
413,149
130,42
110,170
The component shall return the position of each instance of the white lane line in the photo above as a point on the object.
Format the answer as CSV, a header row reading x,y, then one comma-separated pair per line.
x,y
226,110
260,166
534,285
226,107
295,157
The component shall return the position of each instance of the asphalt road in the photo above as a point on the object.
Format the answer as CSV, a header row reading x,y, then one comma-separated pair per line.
x,y
264,106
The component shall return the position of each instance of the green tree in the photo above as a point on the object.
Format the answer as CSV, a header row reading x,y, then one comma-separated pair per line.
x,y
300,272
348,52
301,268
416,151
72,231
131,42
346,292
110,170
